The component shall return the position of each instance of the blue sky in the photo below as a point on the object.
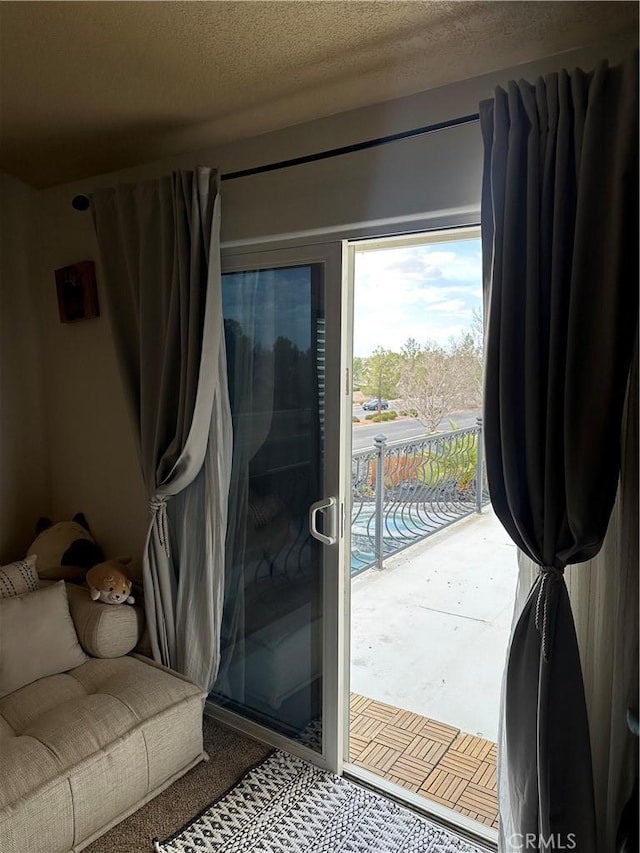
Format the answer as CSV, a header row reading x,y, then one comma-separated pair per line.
x,y
423,292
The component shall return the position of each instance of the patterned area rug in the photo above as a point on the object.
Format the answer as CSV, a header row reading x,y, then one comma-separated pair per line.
x,y
285,805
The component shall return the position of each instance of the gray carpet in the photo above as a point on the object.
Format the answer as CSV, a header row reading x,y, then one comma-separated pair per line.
x,y
231,754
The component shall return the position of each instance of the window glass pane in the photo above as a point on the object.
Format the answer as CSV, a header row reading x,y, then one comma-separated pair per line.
x,y
271,668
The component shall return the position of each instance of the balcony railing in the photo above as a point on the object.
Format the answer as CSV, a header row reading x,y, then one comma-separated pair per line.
x,y
404,491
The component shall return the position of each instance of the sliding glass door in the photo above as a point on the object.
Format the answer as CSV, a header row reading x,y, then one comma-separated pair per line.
x,y
279,635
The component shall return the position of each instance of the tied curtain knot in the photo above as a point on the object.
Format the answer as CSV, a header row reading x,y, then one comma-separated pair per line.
x,y
548,576
158,510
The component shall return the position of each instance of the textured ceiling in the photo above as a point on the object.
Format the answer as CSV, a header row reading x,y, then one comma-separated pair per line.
x,y
88,87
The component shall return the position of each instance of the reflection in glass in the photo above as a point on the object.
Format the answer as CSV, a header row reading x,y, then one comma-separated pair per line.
x,y
271,668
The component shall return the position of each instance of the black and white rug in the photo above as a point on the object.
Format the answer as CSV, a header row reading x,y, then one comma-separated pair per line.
x,y
285,805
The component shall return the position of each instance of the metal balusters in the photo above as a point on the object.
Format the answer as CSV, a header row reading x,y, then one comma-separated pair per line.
x,y
381,444
479,467
404,491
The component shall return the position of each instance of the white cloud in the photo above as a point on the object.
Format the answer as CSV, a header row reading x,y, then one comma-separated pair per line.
x,y
453,266
428,293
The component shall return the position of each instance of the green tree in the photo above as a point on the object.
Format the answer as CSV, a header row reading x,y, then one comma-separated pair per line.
x,y
359,371
382,374
411,349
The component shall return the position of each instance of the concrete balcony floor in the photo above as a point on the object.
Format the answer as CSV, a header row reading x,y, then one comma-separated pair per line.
x,y
429,637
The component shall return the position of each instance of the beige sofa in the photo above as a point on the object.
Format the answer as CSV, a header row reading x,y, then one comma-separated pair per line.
x,y
81,750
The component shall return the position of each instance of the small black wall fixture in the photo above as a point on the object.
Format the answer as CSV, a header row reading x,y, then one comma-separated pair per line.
x,y
81,202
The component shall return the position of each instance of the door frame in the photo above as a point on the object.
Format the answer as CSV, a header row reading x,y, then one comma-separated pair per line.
x,y
330,255
482,836
340,245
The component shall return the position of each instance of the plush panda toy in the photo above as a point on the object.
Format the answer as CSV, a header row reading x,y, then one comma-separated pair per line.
x,y
66,550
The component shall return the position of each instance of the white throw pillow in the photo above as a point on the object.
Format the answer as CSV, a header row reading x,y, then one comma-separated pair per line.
x,y
19,577
37,637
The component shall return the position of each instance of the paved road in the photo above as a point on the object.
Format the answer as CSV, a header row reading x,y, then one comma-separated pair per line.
x,y
406,428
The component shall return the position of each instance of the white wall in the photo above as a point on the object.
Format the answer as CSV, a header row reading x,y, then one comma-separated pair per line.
x,y
93,461
92,456
24,493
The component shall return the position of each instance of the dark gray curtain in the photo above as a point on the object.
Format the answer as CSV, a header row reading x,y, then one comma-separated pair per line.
x,y
560,248
160,265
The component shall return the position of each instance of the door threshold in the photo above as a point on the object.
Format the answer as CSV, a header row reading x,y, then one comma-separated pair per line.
x,y
476,833
263,734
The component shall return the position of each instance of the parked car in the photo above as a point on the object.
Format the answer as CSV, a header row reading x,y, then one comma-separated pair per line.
x,y
372,405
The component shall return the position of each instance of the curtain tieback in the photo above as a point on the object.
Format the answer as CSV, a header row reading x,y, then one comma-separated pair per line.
x,y
158,509
548,574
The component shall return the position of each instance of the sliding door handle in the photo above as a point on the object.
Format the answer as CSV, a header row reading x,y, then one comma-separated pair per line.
x,y
328,504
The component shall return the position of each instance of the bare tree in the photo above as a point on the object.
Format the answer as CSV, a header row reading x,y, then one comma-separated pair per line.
x,y
435,379
428,384
467,355
477,329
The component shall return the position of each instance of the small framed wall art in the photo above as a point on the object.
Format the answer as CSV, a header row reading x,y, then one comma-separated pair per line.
x,y
77,292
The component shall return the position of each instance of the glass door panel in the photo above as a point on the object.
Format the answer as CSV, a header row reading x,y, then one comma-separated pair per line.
x,y
272,632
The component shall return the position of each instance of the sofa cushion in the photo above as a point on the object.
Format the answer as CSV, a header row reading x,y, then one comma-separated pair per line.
x,y
104,630
18,578
91,743
37,637
24,706
139,689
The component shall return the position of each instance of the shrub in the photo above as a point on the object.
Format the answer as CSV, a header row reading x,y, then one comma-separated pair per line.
x,y
370,417
355,420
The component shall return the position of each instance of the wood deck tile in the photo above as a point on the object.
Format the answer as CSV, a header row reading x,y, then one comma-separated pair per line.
x,y
426,756
357,745
447,786
485,776
479,800
358,704
474,746
411,769
378,711
395,737
377,756
475,816
430,751
438,731
398,780
460,764
408,721
366,727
